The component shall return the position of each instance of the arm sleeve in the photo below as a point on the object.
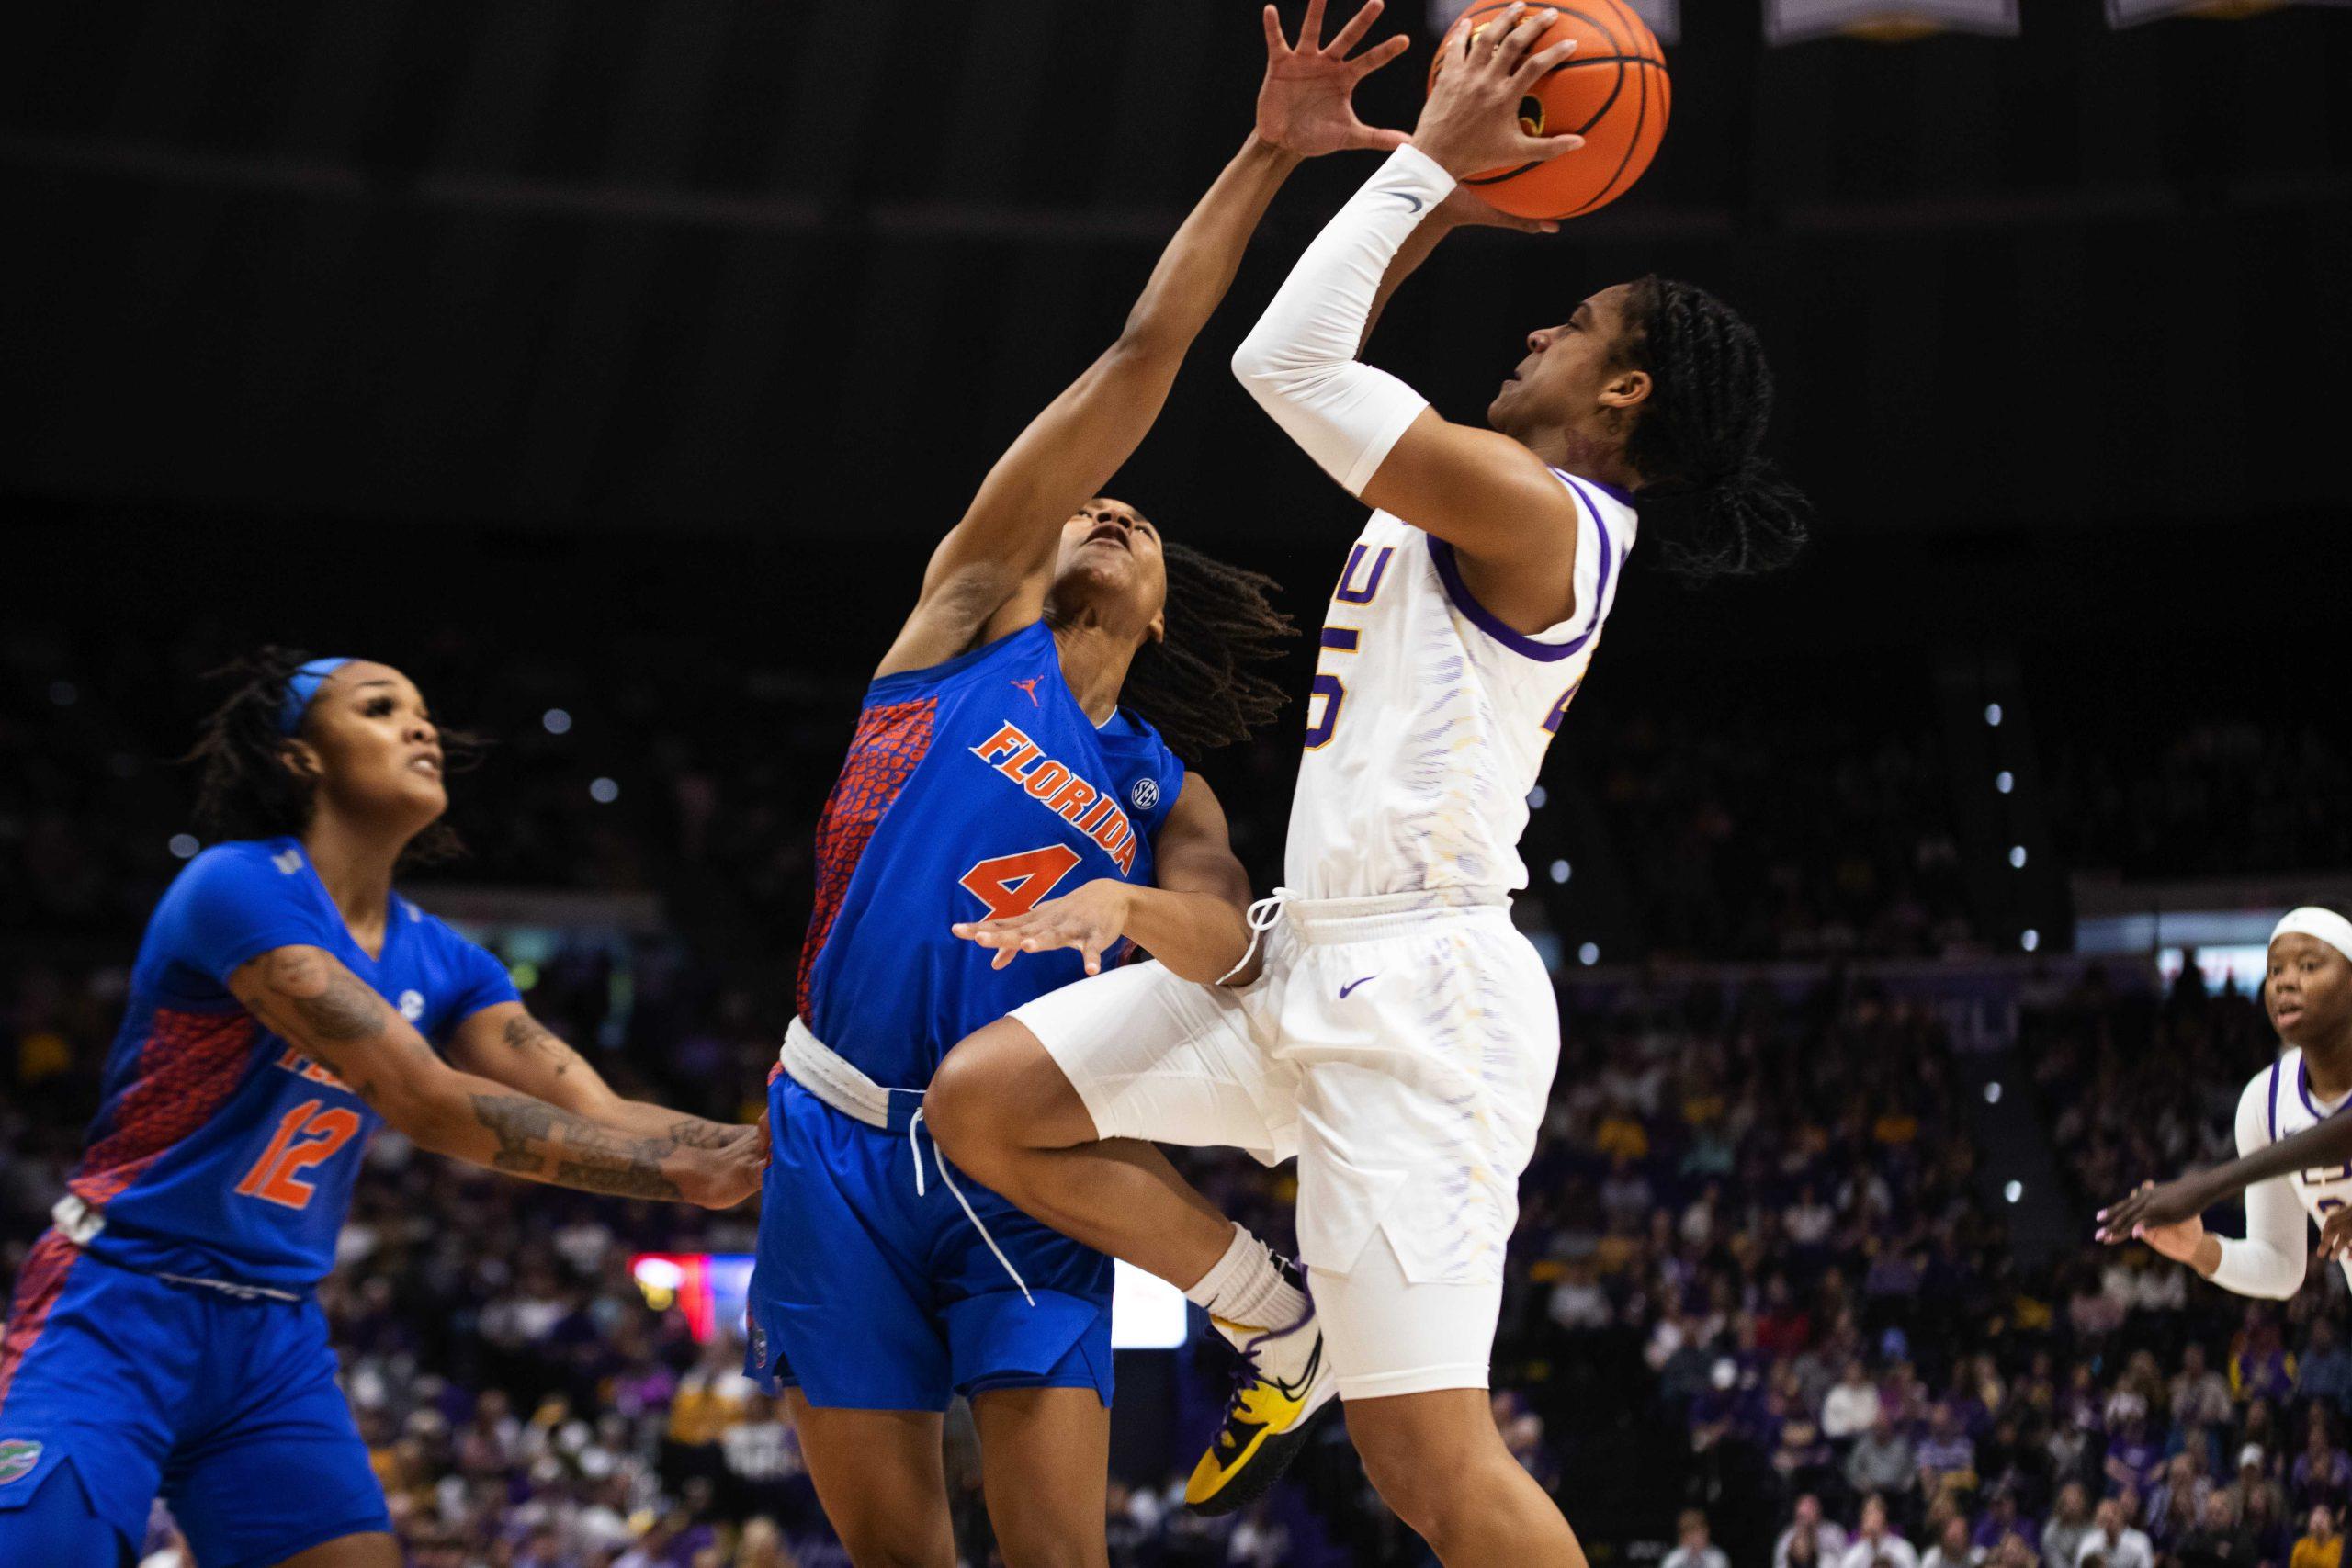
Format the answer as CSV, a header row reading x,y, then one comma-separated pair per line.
x,y
232,904
1300,362
2271,1261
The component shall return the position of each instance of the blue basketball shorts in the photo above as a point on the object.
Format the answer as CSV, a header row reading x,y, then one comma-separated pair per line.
x,y
871,1295
131,1387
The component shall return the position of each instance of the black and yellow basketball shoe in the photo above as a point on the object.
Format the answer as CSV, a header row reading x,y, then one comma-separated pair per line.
x,y
1284,1382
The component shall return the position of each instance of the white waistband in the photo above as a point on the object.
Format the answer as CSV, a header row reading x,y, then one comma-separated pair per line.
x,y
1353,919
833,1078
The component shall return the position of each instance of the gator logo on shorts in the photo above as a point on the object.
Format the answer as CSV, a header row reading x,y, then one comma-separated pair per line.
x,y
17,1458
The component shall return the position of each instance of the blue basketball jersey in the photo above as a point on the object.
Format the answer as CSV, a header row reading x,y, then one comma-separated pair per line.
x,y
219,1152
975,788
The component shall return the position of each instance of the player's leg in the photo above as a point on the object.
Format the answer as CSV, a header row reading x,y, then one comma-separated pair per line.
x,y
277,1473
882,1477
1003,1110
1437,1460
92,1364
1045,1466
57,1523
1051,1108
842,1315
1411,1359
1057,1107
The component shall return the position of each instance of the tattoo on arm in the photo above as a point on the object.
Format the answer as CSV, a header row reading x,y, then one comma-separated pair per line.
x,y
527,1035
538,1139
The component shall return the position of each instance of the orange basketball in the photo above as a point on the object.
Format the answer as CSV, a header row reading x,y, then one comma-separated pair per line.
x,y
1612,91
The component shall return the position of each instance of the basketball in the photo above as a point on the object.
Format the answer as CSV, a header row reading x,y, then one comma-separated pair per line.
x,y
1613,92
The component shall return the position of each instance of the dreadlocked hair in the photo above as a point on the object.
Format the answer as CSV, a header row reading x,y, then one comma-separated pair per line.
x,y
1698,438
244,788
1202,687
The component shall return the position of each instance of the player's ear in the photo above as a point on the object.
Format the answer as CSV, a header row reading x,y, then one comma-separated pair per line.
x,y
1157,630
300,759
1625,390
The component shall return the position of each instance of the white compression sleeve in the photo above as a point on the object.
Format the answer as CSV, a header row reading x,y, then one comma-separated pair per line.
x,y
2270,1261
1300,362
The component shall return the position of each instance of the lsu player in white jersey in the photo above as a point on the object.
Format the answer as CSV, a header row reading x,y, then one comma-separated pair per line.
x,y
1400,1035
2294,1146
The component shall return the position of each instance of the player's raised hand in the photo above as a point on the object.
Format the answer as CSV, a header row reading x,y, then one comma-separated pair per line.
x,y
1306,103
1471,120
1465,208
1089,919
2155,1206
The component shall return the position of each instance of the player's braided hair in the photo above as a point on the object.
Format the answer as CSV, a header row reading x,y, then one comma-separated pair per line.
x,y
244,790
1698,437
1203,686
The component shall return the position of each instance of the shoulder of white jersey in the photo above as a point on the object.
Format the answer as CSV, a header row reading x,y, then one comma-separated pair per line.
x,y
2265,1091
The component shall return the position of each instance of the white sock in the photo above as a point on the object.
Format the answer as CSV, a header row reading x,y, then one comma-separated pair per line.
x,y
1247,1293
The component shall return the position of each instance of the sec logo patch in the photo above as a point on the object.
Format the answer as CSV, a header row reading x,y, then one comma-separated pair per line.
x,y
1145,795
411,1005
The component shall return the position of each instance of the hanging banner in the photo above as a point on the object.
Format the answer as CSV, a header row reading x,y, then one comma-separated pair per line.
x,y
2128,13
1793,22
1664,16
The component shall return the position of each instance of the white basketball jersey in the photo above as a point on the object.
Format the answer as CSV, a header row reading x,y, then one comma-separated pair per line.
x,y
1429,718
2286,1108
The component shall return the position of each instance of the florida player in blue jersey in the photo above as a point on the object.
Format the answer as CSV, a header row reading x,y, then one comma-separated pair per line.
x,y
1014,746
164,1338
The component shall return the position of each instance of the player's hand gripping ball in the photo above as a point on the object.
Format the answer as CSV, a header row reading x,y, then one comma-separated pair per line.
x,y
1612,91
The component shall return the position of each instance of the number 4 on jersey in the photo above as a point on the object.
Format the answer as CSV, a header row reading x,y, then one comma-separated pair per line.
x,y
1014,884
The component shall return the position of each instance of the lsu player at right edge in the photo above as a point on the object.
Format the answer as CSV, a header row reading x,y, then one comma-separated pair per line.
x,y
1401,1036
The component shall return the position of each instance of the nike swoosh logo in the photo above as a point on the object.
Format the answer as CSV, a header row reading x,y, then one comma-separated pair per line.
x,y
1352,985
1411,202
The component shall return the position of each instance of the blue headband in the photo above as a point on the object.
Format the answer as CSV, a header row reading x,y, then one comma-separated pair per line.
x,y
304,685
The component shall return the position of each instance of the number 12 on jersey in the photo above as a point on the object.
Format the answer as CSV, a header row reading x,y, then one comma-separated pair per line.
x,y
306,1137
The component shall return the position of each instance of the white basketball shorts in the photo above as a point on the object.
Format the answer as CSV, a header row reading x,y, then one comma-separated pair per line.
x,y
1402,1048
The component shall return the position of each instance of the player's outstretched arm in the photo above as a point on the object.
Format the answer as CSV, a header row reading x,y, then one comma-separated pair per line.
x,y
306,997
1194,922
505,1042
2272,1258
2169,1202
1480,491
989,575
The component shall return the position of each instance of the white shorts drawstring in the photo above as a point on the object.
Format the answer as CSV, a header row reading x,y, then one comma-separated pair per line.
x,y
945,1176
1262,917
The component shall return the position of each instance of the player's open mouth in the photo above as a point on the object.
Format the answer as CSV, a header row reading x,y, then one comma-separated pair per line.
x,y
429,766
1109,533
2287,1016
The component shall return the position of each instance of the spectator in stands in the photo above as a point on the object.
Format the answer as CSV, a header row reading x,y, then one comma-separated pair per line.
x,y
1947,1457
1952,1548
2112,1542
2322,1472
2323,1375
2200,1396
2069,1523
1881,1459
2002,1519
2221,1539
1693,1547
1875,1544
1810,1534
1852,1407
2321,1546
